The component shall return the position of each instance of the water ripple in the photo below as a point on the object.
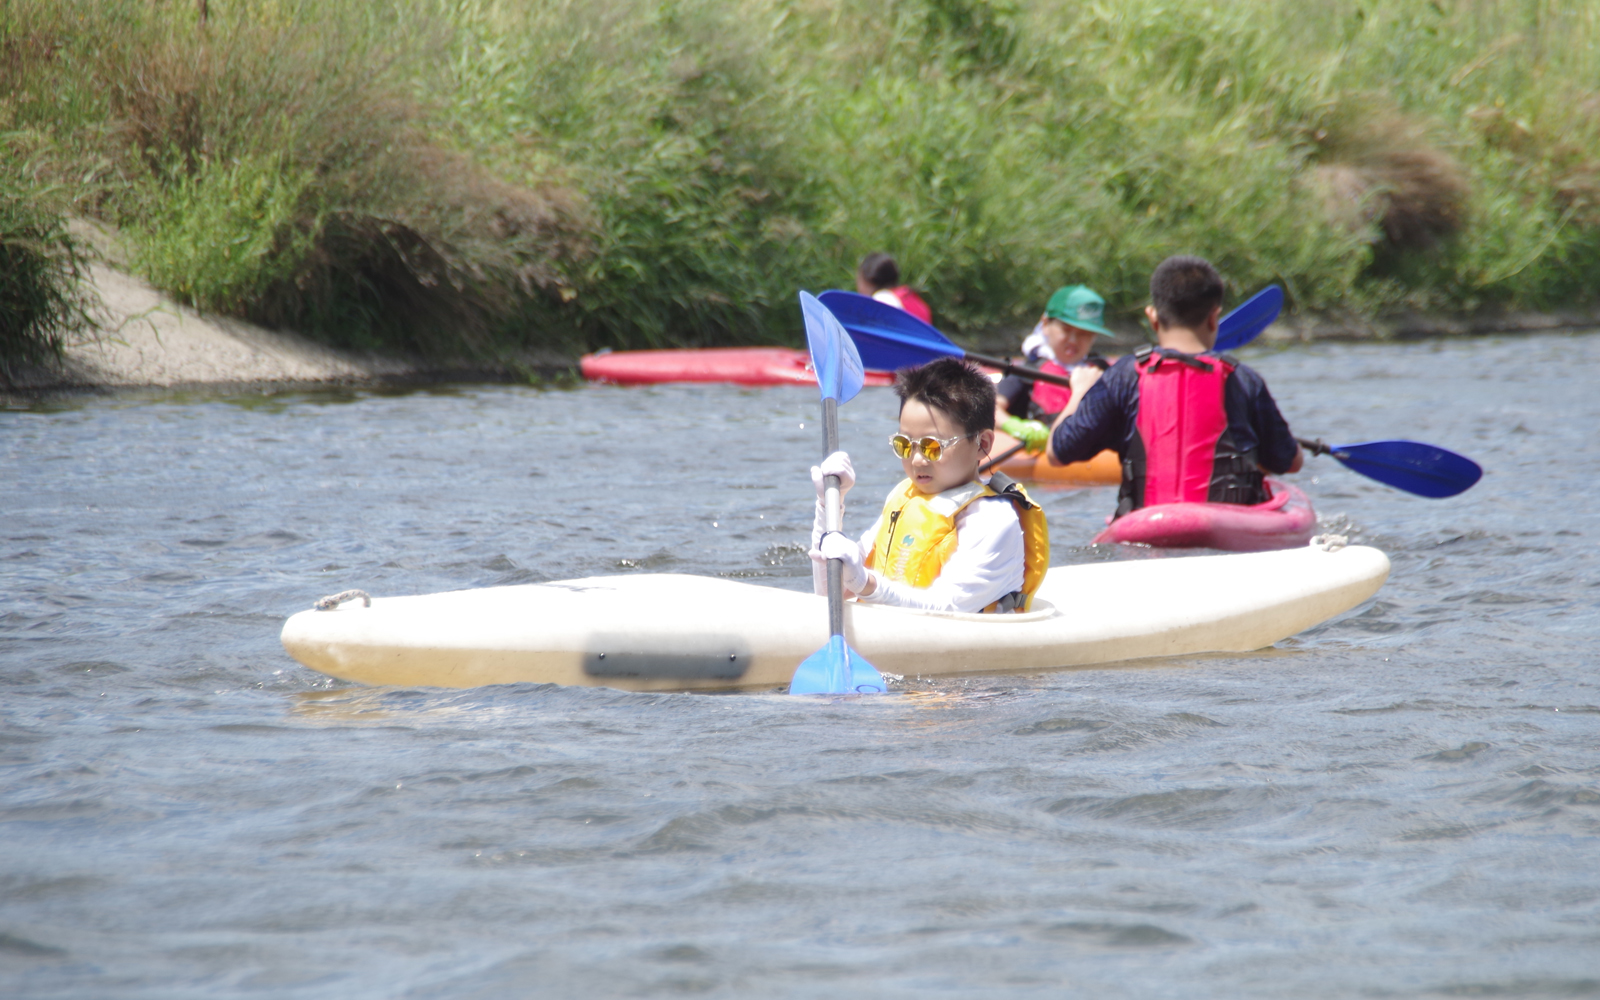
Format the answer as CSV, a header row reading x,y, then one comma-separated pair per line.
x,y
1401,802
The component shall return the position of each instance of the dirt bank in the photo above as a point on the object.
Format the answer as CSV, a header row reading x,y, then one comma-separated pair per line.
x,y
149,340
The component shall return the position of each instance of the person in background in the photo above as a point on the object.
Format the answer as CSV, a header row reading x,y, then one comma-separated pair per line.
x,y
1190,424
1059,345
879,277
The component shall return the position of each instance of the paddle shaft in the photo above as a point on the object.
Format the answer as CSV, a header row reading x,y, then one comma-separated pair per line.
x,y
1022,371
832,515
1318,448
991,463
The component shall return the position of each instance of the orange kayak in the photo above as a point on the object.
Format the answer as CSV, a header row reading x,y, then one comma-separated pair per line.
x,y
1105,469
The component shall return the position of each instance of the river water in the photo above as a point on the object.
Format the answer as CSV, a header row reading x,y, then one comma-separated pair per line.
x,y
1403,802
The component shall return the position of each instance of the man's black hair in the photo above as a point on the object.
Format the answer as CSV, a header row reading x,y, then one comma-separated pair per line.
x,y
879,270
1184,290
952,386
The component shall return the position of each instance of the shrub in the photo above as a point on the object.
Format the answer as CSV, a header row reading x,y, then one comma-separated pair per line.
x,y
42,302
222,233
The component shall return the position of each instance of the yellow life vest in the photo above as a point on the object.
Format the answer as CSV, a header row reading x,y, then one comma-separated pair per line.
x,y
917,535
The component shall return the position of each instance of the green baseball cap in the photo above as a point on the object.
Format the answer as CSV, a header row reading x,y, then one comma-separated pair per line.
x,y
1076,306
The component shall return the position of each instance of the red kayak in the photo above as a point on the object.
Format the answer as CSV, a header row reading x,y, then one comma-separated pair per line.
x,y
1284,522
740,365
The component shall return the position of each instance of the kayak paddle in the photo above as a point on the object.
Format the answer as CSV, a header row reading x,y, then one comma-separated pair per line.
x,y
1424,469
1245,323
890,338
835,668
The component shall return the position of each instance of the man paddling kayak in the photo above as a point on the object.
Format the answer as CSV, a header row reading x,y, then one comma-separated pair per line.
x,y
878,277
1189,424
945,540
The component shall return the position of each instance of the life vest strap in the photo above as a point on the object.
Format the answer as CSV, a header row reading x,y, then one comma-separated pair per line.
x,y
1009,604
1200,364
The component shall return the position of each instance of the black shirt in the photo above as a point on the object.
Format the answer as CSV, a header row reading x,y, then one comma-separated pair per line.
x,y
1106,418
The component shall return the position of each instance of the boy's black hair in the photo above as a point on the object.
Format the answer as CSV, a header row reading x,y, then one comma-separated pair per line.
x,y
1184,290
953,387
879,270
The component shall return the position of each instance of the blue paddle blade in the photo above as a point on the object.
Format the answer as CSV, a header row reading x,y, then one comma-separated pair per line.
x,y
836,669
1424,469
1245,323
888,338
833,356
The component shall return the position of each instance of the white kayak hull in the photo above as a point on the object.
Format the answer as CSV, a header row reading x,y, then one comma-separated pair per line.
x,y
669,632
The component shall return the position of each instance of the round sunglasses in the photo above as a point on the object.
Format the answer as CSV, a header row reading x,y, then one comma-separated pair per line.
x,y
931,447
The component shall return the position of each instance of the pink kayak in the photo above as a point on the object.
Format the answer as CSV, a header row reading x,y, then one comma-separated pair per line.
x,y
1284,522
740,365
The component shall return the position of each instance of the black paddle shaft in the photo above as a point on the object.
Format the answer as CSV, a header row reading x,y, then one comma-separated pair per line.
x,y
1318,448
1023,371
991,463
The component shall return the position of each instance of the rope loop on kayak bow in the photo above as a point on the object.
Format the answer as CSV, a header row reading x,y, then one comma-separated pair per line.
x,y
1330,543
332,601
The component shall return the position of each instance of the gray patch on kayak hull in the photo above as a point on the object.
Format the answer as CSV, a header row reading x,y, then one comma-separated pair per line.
x,y
675,657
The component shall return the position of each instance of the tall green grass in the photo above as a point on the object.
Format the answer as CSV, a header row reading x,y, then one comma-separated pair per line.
x,y
42,300
472,175
223,233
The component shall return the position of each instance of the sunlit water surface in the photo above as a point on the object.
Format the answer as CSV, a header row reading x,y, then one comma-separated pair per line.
x,y
1403,802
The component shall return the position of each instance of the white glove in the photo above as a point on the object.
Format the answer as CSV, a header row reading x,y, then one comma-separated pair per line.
x,y
838,545
837,464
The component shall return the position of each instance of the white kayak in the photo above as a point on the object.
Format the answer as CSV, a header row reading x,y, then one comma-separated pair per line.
x,y
671,632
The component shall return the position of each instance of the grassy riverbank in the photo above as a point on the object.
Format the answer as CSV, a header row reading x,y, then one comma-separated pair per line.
x,y
470,175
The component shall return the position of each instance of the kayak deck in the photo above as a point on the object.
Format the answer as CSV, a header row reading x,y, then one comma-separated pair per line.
x,y
1285,521
1105,469
669,632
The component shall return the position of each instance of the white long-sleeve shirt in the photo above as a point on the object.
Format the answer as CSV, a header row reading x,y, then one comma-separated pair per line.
x,y
986,565
1036,341
888,296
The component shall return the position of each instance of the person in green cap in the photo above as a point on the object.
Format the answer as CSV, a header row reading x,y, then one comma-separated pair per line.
x,y
1060,345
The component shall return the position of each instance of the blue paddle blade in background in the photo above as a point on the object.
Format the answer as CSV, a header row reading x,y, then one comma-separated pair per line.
x,y
1424,469
888,338
836,669
1245,323
833,356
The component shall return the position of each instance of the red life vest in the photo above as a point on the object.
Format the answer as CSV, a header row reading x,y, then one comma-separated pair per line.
x,y
1050,399
1182,448
912,303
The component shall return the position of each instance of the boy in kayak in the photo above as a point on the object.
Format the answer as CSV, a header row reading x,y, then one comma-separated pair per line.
x,y
1059,345
1190,424
945,540
879,277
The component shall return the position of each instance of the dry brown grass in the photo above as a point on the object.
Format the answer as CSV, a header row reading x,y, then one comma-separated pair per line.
x,y
446,271
1381,172
1561,149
